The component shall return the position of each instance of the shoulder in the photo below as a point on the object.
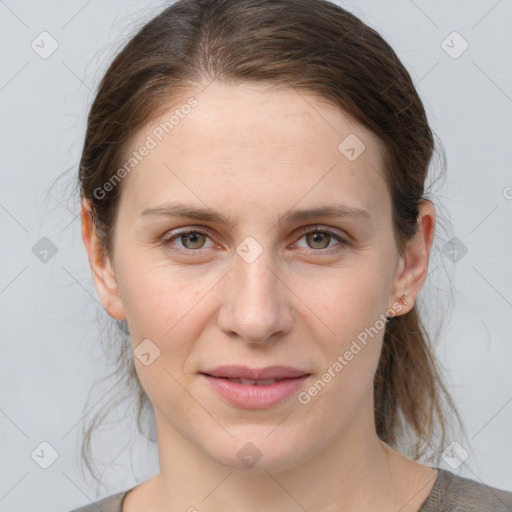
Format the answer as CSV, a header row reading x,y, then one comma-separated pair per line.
x,y
112,503
454,493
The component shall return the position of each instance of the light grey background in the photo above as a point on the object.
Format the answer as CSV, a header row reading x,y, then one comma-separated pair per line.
x,y
51,353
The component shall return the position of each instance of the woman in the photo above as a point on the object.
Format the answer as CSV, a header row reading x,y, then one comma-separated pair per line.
x,y
253,207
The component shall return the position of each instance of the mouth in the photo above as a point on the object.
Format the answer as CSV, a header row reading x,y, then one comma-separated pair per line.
x,y
276,372
250,382
251,393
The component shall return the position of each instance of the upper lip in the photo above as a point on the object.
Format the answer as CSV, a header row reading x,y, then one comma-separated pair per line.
x,y
244,372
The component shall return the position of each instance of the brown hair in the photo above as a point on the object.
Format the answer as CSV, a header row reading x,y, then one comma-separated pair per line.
x,y
309,45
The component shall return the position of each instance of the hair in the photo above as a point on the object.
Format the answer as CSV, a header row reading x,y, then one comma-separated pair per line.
x,y
306,45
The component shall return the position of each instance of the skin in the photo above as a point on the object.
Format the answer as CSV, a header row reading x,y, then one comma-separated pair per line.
x,y
252,153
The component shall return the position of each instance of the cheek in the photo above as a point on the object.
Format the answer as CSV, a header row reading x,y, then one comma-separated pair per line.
x,y
348,307
346,299
167,310
156,295
350,349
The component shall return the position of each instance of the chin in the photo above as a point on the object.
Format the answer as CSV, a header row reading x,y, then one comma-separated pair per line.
x,y
256,453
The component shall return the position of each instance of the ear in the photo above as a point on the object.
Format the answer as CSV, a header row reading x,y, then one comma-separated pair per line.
x,y
101,266
413,267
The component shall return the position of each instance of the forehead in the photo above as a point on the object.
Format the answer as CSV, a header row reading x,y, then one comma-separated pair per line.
x,y
251,145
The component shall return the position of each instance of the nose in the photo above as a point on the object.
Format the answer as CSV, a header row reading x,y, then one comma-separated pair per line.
x,y
256,304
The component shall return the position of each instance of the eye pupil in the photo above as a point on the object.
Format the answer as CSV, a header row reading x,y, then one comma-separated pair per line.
x,y
316,237
192,237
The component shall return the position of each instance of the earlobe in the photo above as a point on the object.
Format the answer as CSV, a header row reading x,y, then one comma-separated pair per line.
x,y
101,266
413,267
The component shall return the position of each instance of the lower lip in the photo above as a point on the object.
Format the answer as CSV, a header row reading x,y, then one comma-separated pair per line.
x,y
253,396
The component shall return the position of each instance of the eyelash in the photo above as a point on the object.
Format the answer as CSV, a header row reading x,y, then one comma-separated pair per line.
x,y
304,231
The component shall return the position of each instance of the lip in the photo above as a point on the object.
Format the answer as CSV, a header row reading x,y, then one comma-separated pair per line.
x,y
253,396
244,372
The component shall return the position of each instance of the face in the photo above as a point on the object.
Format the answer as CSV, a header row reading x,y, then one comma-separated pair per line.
x,y
257,284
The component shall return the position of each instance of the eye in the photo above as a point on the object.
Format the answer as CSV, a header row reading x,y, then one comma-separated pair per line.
x,y
319,238
192,241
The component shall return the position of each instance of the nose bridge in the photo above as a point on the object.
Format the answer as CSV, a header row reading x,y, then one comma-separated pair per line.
x,y
253,266
255,280
257,309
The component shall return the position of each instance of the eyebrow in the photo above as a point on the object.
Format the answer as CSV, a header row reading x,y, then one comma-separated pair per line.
x,y
183,210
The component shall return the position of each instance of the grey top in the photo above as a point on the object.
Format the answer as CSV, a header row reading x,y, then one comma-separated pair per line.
x,y
451,493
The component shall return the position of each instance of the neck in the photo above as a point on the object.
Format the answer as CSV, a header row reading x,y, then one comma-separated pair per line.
x,y
354,472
